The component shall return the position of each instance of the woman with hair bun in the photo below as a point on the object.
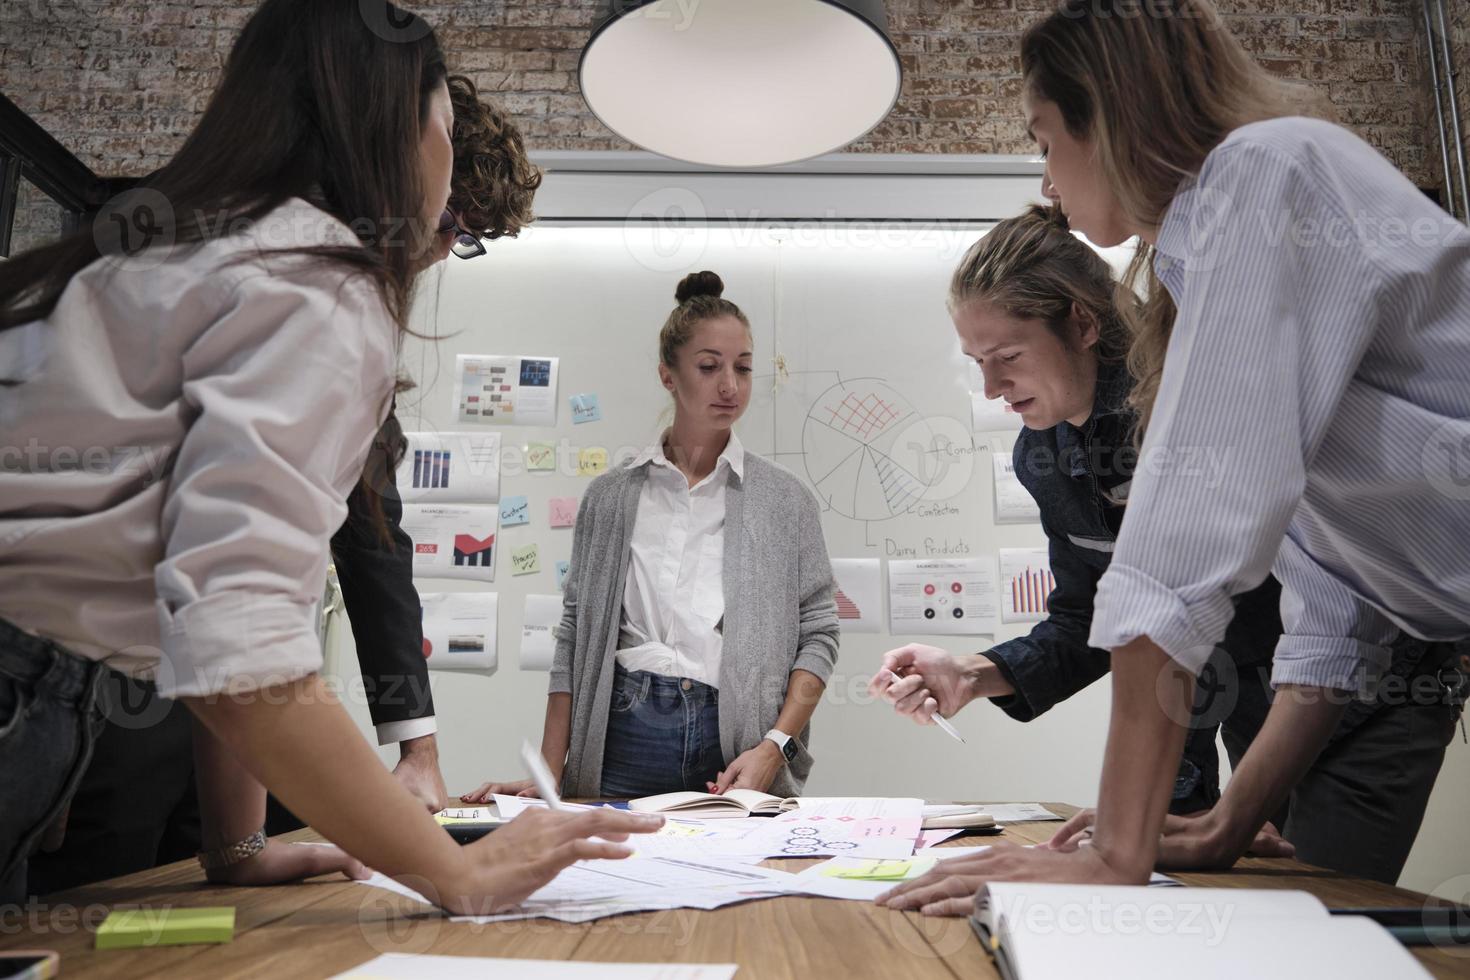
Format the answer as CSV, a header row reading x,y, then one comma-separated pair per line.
x,y
699,627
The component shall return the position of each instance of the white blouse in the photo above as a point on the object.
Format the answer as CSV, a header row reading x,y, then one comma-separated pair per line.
x,y
179,450
674,598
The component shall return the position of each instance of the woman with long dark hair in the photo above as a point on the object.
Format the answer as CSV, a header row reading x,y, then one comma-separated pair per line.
x,y
191,386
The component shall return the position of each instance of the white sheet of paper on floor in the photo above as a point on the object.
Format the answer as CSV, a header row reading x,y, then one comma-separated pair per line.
x,y
500,390
538,643
992,414
419,966
453,540
459,630
450,467
941,596
859,594
1025,584
1013,503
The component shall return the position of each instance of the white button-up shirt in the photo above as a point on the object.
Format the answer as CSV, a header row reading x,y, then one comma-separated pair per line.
x,y
1314,412
179,450
674,598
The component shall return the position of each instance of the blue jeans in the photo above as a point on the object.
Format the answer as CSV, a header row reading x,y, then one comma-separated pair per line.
x,y
49,718
663,735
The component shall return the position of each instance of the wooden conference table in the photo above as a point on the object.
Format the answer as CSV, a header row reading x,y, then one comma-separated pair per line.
x,y
331,925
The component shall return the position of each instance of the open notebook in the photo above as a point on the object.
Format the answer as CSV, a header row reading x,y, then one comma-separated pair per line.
x,y
706,806
1115,931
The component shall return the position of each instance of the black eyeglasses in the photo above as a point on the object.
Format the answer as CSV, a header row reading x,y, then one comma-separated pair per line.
x,y
466,245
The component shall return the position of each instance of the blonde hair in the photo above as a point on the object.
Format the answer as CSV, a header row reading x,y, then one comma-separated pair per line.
x,y
699,297
1155,86
1033,267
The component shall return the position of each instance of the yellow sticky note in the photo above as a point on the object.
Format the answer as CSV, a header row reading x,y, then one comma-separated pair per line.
x,y
540,456
881,870
126,928
525,561
591,462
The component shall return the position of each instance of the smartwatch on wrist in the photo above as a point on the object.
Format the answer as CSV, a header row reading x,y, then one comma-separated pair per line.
x,y
784,742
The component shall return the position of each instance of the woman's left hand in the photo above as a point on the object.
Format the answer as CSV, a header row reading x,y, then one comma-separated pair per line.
x,y
752,769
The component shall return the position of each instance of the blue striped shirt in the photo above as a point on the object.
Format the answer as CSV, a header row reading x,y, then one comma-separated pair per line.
x,y
1313,418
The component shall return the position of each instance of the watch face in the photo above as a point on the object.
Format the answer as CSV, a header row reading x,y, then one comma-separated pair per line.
x,y
789,749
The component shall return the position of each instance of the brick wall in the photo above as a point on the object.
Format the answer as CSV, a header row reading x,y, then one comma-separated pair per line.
x,y
120,84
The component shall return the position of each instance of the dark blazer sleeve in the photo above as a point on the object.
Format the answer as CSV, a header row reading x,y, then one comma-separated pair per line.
x,y
376,576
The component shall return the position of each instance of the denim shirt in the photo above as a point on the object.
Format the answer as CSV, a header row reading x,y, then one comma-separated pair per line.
x,y
1079,477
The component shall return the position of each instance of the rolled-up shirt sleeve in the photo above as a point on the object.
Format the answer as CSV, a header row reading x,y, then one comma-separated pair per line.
x,y
289,384
1247,391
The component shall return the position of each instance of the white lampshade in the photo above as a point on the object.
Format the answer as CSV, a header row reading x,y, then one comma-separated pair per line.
x,y
741,83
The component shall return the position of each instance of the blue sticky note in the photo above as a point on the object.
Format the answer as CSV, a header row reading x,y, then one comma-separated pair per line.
x,y
562,567
585,408
513,511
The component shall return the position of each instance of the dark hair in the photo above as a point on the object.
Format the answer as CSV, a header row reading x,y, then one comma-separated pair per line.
x,y
1033,267
494,180
320,99
699,297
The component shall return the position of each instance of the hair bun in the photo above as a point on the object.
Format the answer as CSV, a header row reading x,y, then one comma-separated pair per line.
x,y
699,284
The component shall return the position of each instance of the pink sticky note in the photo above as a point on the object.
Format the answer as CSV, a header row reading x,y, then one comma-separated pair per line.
x,y
563,511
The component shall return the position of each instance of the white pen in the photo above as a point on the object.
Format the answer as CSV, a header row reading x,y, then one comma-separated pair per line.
x,y
541,776
941,721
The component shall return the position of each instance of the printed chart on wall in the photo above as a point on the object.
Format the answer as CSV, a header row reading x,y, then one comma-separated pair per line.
x,y
453,540
858,592
462,467
1025,584
944,597
459,630
500,390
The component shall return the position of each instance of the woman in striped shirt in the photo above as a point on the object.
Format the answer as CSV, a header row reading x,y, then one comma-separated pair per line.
x,y
1308,313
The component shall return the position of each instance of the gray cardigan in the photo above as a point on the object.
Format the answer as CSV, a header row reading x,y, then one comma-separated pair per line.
x,y
779,612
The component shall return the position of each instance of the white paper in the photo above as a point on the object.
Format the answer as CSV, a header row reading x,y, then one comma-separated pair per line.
x,y
819,836
1013,503
460,630
950,597
453,540
858,807
1018,812
992,414
543,613
450,467
498,390
422,966
1025,584
594,889
859,594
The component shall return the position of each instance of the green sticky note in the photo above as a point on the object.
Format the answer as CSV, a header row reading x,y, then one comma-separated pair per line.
x,y
541,456
127,928
525,561
881,870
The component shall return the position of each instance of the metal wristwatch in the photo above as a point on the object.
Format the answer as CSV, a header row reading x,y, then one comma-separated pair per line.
x,y
784,742
234,853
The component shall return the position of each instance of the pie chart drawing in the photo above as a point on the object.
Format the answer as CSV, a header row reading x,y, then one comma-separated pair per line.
x,y
865,450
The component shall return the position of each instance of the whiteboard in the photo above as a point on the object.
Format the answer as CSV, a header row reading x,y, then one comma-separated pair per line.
x,y
835,310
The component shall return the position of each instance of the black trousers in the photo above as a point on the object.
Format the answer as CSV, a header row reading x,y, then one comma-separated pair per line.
x,y
137,805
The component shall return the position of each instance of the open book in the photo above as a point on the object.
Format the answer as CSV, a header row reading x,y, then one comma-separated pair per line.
x,y
707,806
1106,931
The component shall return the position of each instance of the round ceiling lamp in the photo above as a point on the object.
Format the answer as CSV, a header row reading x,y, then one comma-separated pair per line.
x,y
741,83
